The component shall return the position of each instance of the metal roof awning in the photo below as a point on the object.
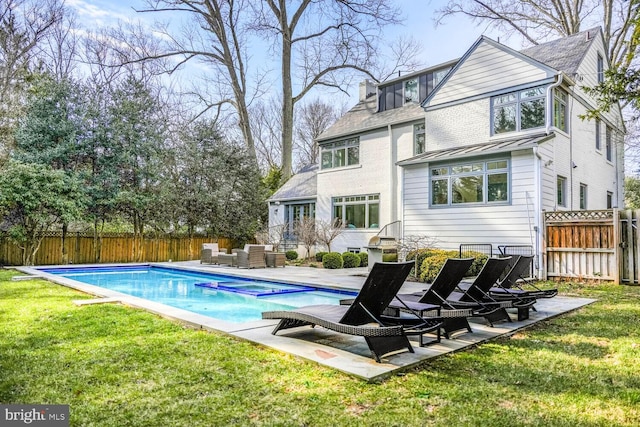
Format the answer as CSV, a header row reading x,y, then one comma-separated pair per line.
x,y
502,146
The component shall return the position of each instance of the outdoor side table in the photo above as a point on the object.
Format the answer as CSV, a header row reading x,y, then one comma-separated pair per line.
x,y
275,259
228,259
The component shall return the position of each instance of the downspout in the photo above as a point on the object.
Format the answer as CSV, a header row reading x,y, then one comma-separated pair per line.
x,y
393,193
537,211
538,178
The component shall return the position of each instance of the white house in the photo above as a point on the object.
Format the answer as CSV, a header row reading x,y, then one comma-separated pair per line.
x,y
470,151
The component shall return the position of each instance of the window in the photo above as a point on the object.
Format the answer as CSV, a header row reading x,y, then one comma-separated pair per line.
x,y
562,191
358,211
472,182
340,153
600,69
560,109
411,91
608,147
598,142
439,75
419,140
583,196
518,111
609,199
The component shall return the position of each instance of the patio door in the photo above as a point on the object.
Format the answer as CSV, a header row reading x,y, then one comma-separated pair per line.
x,y
297,212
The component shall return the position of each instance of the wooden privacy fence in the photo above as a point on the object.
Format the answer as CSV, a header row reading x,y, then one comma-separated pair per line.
x,y
582,244
82,248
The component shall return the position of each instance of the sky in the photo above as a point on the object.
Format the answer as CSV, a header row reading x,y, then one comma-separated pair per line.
x,y
441,44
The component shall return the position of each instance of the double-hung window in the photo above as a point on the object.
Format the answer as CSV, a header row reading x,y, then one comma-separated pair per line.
x,y
583,196
340,153
608,144
560,109
561,184
357,211
518,110
600,69
473,182
419,139
598,133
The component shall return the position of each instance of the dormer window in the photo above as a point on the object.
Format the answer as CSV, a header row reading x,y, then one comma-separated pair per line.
x,y
411,91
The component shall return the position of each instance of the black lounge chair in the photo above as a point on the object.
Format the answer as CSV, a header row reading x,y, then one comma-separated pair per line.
x,y
513,284
390,335
434,301
479,292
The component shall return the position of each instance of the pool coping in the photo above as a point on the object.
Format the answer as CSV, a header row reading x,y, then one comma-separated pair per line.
x,y
348,354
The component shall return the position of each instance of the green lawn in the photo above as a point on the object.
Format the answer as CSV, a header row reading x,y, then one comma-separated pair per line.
x,y
118,366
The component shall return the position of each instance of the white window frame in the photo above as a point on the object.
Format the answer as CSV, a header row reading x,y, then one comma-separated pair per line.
x,y
608,143
334,148
583,196
503,101
447,174
560,99
561,191
419,131
600,68
598,134
368,200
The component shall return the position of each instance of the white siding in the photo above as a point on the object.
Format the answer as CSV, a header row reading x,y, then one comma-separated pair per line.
x,y
487,69
507,224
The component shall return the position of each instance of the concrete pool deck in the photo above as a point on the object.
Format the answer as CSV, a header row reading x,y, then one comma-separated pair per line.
x,y
342,352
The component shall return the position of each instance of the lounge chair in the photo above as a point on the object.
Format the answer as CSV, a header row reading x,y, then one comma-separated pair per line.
x,y
513,284
252,256
209,253
384,335
434,300
479,292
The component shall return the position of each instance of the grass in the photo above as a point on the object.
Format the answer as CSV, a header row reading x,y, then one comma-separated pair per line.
x,y
118,366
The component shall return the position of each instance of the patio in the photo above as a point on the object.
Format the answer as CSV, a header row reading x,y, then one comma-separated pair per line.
x,y
342,352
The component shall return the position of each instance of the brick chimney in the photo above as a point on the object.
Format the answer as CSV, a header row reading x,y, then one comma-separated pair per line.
x,y
367,89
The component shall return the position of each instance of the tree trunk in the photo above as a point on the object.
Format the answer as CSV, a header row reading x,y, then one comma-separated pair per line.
x,y
65,252
287,106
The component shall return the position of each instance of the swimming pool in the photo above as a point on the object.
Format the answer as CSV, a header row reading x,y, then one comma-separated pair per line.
x,y
223,297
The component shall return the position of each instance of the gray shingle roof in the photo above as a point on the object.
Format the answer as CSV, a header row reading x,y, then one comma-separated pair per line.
x,y
564,54
302,185
503,146
363,117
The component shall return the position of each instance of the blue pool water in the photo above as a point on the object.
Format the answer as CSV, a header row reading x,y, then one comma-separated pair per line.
x,y
227,298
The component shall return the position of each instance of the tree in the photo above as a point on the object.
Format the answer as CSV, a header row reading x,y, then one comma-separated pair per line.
x,y
313,118
328,231
538,20
318,42
24,24
33,199
306,232
138,133
221,44
632,192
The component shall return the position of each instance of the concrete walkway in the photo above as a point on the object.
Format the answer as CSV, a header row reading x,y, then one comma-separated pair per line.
x,y
345,353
